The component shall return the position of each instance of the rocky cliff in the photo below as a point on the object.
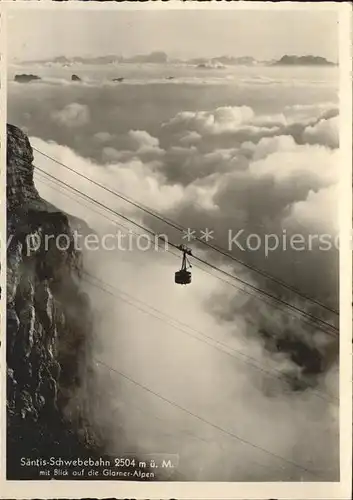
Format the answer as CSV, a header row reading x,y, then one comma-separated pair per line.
x,y
49,326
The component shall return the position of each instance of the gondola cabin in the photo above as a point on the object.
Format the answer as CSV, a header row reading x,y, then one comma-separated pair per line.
x,y
183,276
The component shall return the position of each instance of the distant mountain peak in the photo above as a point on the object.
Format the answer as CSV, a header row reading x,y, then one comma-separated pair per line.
x,y
160,57
308,60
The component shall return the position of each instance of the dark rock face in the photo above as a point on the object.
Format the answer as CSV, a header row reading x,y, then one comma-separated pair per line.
x,y
49,325
26,78
75,78
304,60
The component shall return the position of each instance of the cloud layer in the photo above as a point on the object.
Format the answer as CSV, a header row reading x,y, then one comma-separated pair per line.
x,y
72,115
269,174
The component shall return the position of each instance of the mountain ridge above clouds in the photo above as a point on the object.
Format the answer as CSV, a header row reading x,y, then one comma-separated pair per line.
x,y
160,57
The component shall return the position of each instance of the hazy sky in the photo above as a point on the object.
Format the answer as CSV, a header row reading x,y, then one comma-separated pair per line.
x,y
262,34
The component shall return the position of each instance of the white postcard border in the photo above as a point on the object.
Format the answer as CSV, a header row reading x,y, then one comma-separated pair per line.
x,y
209,490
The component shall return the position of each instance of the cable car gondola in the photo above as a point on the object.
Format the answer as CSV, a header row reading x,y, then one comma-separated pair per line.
x,y
183,276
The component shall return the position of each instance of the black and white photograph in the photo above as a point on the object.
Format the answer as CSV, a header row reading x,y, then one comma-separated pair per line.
x,y
173,190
